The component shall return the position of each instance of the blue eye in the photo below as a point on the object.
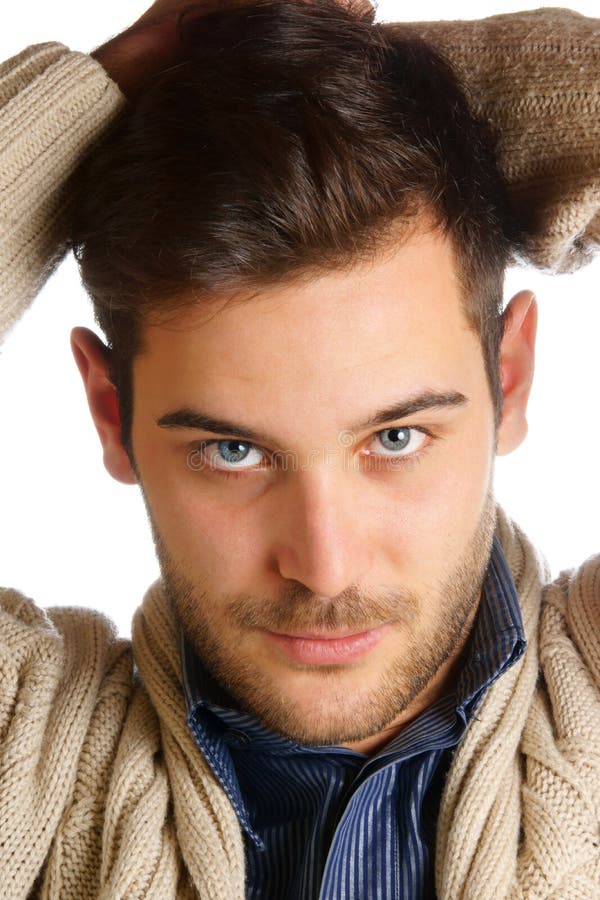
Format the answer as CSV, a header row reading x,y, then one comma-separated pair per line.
x,y
399,441
232,454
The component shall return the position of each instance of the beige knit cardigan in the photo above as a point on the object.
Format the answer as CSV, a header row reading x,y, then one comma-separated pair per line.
x,y
103,792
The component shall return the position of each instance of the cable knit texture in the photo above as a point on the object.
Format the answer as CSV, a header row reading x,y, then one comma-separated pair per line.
x,y
103,792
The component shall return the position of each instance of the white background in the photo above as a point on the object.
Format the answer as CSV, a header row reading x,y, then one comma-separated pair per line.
x,y
70,535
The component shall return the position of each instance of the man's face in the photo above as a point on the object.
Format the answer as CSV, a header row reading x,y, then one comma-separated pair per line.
x,y
317,464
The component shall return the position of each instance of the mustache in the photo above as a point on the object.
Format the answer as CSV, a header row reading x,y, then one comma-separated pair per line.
x,y
300,610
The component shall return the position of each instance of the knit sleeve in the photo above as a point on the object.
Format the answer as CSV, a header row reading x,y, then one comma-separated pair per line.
x,y
65,684
535,78
54,105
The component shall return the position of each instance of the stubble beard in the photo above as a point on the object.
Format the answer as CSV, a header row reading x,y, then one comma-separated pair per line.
x,y
336,716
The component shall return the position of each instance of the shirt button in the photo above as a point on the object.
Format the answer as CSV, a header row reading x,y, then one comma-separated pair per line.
x,y
236,738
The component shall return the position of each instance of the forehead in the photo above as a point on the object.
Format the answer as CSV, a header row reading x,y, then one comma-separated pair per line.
x,y
395,325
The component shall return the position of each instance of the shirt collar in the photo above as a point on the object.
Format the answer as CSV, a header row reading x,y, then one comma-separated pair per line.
x,y
498,637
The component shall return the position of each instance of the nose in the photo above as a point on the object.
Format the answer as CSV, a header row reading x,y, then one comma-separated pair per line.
x,y
320,538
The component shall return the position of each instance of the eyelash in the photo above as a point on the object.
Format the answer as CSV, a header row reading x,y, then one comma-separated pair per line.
x,y
388,462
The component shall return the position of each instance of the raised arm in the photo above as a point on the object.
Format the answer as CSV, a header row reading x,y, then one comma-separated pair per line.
x,y
535,77
54,105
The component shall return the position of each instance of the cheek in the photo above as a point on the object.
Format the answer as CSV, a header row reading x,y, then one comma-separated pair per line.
x,y
462,489
210,540
435,508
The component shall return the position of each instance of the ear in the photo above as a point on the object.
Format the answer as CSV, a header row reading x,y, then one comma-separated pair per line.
x,y
92,358
517,355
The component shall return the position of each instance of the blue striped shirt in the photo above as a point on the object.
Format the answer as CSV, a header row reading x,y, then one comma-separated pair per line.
x,y
328,823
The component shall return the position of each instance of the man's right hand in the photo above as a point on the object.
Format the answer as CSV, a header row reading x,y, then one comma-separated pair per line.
x,y
148,46
152,43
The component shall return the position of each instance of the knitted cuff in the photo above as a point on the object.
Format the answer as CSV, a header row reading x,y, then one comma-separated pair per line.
x,y
535,78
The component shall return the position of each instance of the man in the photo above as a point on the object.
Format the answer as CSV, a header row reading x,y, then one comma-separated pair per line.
x,y
294,240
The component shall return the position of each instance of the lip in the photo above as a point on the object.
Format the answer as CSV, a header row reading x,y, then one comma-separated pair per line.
x,y
315,649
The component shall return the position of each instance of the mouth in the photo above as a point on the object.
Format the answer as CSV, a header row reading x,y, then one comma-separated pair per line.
x,y
327,648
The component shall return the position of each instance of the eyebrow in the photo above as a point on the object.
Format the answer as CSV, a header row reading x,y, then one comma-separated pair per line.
x,y
188,418
418,403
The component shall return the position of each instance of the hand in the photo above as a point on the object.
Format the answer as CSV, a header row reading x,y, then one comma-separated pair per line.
x,y
145,48
152,44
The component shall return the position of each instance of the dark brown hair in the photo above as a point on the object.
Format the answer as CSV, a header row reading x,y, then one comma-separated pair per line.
x,y
291,139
